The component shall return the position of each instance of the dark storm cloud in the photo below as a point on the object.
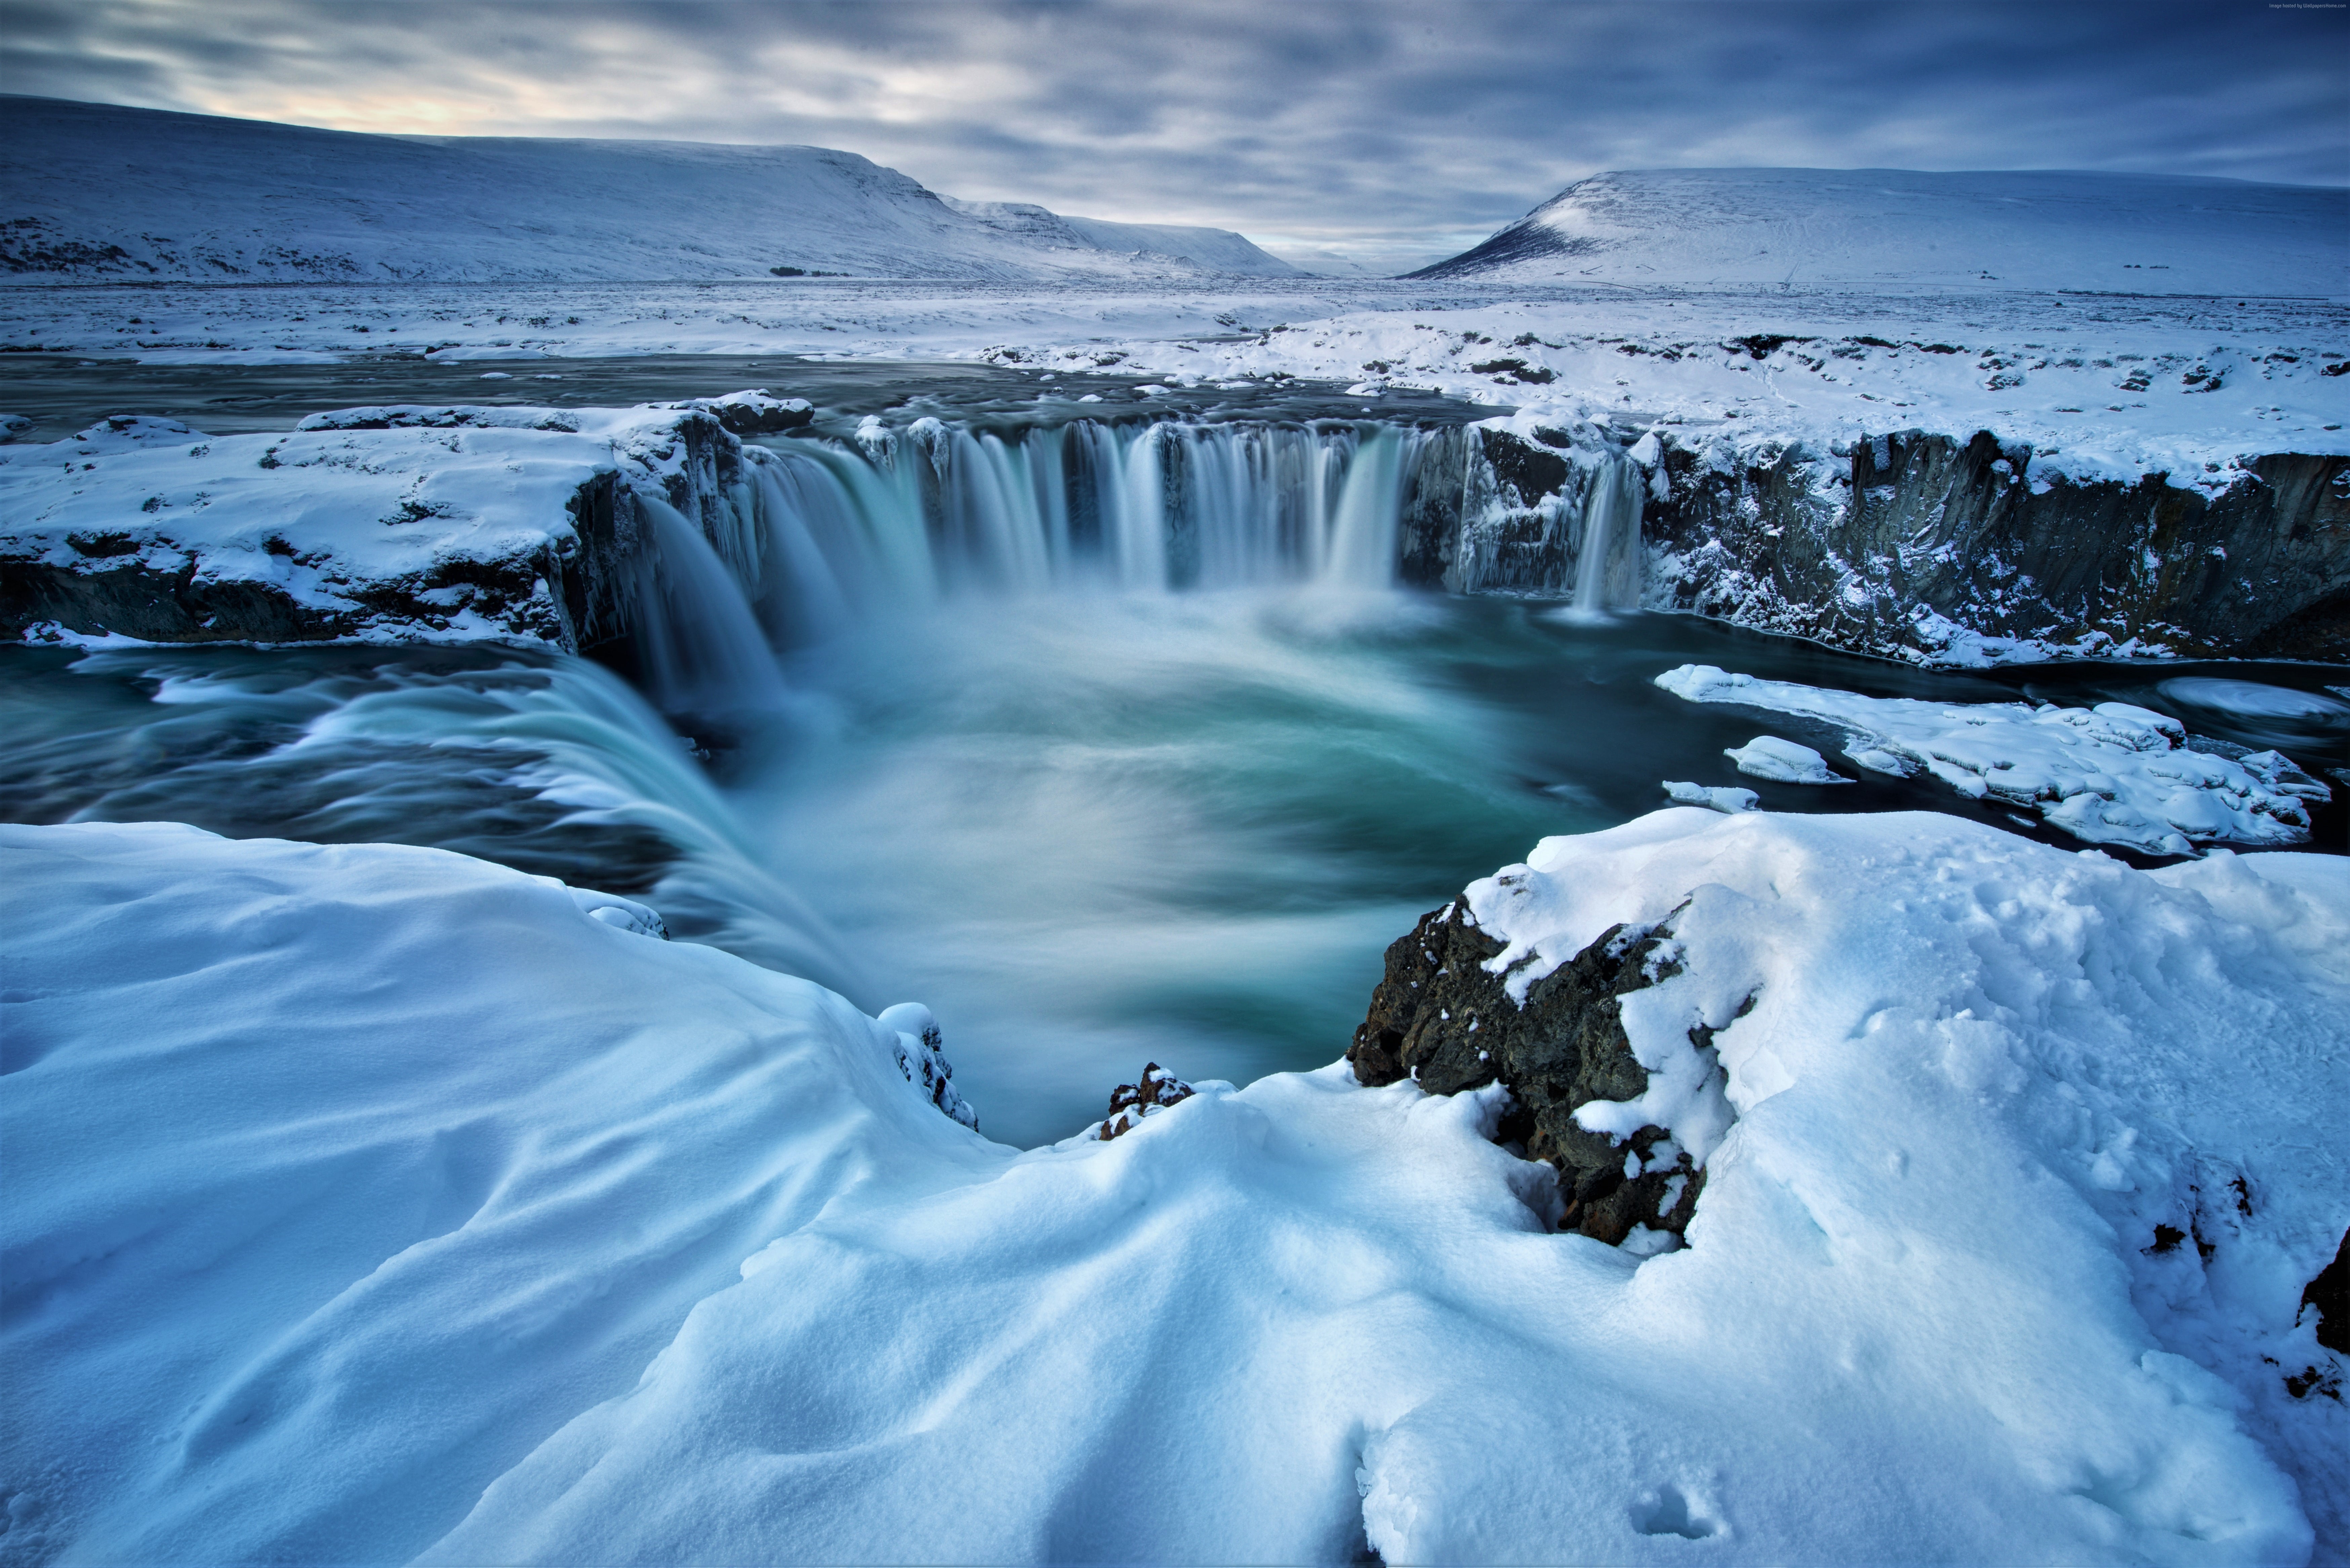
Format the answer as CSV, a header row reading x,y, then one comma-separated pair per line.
x,y
1378,126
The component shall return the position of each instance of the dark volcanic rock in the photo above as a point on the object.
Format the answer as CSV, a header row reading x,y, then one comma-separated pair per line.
x,y
1854,553
1130,1103
1912,537
1442,1018
758,412
2329,1292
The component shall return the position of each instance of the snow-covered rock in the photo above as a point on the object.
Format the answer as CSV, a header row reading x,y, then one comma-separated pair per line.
x,y
407,523
2114,773
2015,229
1712,797
374,1204
1784,761
100,191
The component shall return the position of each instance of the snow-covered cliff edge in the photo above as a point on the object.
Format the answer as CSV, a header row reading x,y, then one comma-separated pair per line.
x,y
447,523
1928,547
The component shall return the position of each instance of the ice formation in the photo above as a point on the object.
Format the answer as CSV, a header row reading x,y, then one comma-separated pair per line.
x,y
2115,774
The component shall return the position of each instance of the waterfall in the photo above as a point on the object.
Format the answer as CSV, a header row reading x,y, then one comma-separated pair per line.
x,y
901,518
702,648
1363,529
817,536
1606,568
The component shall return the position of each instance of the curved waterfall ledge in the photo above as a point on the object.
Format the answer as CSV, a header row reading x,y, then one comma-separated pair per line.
x,y
1909,545
1944,550
399,524
664,525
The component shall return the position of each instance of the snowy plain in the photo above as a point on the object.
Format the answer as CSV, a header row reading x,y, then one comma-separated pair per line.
x,y
2098,387
289,1309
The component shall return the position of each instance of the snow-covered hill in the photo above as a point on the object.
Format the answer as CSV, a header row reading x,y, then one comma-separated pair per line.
x,y
1212,250
2140,233
96,192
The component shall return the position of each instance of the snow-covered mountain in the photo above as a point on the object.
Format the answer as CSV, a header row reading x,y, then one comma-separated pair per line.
x,y
99,191
2109,232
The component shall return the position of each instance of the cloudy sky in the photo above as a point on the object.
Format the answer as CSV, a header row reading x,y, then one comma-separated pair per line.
x,y
1390,133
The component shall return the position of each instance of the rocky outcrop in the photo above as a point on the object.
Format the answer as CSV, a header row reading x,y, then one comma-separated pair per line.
x,y
1911,545
2328,1294
1487,511
1909,536
1130,1103
921,1051
1442,1019
401,523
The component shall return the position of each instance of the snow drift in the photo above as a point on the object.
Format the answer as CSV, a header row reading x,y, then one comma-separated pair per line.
x,y
375,1203
2018,229
99,191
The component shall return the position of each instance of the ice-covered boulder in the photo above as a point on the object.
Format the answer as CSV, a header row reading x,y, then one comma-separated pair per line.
x,y
1784,762
758,411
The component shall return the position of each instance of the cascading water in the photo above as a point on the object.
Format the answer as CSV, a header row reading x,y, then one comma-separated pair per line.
x,y
902,518
702,648
1607,565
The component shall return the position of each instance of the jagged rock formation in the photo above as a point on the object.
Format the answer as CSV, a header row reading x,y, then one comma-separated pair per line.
x,y
1130,1103
1440,1017
1866,552
1909,544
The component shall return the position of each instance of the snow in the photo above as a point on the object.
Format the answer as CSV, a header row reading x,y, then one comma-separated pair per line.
x,y
374,1203
2115,774
2110,389
1213,250
92,197
2022,229
340,1176
1770,757
1712,797
349,504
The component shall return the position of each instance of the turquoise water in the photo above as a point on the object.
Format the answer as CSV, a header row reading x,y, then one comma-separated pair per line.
x,y
1089,830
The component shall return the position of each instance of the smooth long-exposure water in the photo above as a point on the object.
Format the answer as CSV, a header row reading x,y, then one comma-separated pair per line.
x,y
1089,829
1099,737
